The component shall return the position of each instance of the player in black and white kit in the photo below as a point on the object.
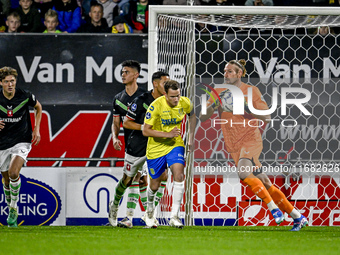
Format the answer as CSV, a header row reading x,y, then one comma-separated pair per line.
x,y
16,136
136,144
121,103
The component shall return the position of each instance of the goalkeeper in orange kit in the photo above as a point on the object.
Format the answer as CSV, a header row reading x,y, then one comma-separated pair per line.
x,y
244,143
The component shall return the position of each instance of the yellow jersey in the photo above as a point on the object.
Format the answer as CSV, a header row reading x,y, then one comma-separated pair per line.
x,y
165,118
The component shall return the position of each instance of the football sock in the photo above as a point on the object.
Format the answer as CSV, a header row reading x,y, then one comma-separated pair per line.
x,y
133,198
7,192
143,196
260,190
119,192
14,185
280,199
160,193
295,214
177,198
151,198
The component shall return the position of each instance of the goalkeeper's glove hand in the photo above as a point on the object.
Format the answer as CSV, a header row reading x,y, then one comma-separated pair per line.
x,y
216,104
246,108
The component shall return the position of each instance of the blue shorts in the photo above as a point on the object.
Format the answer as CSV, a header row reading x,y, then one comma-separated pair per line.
x,y
157,166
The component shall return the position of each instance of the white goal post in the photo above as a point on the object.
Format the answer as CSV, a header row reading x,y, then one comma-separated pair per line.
x,y
193,43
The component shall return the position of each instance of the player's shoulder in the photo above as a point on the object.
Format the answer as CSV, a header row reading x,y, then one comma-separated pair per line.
x,y
184,100
144,96
120,94
22,92
159,101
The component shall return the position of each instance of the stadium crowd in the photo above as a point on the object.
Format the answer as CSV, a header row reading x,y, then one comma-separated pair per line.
x,y
105,16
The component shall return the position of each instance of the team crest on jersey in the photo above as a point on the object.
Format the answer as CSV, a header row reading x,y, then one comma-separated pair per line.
x,y
180,111
152,108
133,107
148,115
9,111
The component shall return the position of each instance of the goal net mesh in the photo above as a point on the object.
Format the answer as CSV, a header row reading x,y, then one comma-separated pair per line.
x,y
300,152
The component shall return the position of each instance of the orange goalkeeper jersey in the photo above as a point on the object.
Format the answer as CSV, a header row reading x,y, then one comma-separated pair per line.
x,y
238,131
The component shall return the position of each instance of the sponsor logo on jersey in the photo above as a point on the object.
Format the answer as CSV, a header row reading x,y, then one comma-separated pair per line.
x,y
169,121
9,111
39,204
148,115
133,107
152,108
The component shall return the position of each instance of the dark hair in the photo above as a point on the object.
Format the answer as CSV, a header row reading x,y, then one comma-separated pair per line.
x,y
6,70
118,20
171,84
158,75
132,63
96,4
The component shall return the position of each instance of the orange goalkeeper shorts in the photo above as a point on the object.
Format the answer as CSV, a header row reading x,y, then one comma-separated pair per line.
x,y
249,151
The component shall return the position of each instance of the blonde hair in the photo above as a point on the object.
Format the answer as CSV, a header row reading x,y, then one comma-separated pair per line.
x,y
51,14
240,64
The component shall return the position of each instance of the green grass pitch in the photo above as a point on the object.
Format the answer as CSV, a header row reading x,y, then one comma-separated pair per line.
x,y
165,240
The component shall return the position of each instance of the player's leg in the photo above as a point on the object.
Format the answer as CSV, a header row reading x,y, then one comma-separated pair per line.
x,y
14,184
130,169
248,163
18,153
161,189
282,202
176,162
6,188
143,186
136,189
156,167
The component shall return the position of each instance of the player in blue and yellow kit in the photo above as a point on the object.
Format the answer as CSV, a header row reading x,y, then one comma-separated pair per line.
x,y
162,125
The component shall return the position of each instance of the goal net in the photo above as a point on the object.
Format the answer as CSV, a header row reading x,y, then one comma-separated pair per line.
x,y
292,57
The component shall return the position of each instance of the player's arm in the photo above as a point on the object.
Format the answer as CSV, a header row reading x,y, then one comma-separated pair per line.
x,y
132,114
37,117
211,107
259,103
2,124
115,132
131,124
148,131
192,126
264,118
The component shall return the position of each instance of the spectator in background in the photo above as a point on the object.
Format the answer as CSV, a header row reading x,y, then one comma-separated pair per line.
x,y
97,24
323,31
259,3
43,6
29,17
51,22
13,22
122,7
5,5
120,26
109,8
138,16
69,15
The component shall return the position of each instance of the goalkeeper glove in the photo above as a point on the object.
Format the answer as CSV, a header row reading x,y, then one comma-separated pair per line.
x,y
246,108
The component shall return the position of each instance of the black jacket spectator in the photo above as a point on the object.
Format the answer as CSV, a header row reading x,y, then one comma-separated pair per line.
x,y
90,28
30,22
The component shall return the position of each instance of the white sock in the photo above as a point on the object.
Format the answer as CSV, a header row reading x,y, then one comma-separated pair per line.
x,y
177,198
295,214
271,205
151,198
